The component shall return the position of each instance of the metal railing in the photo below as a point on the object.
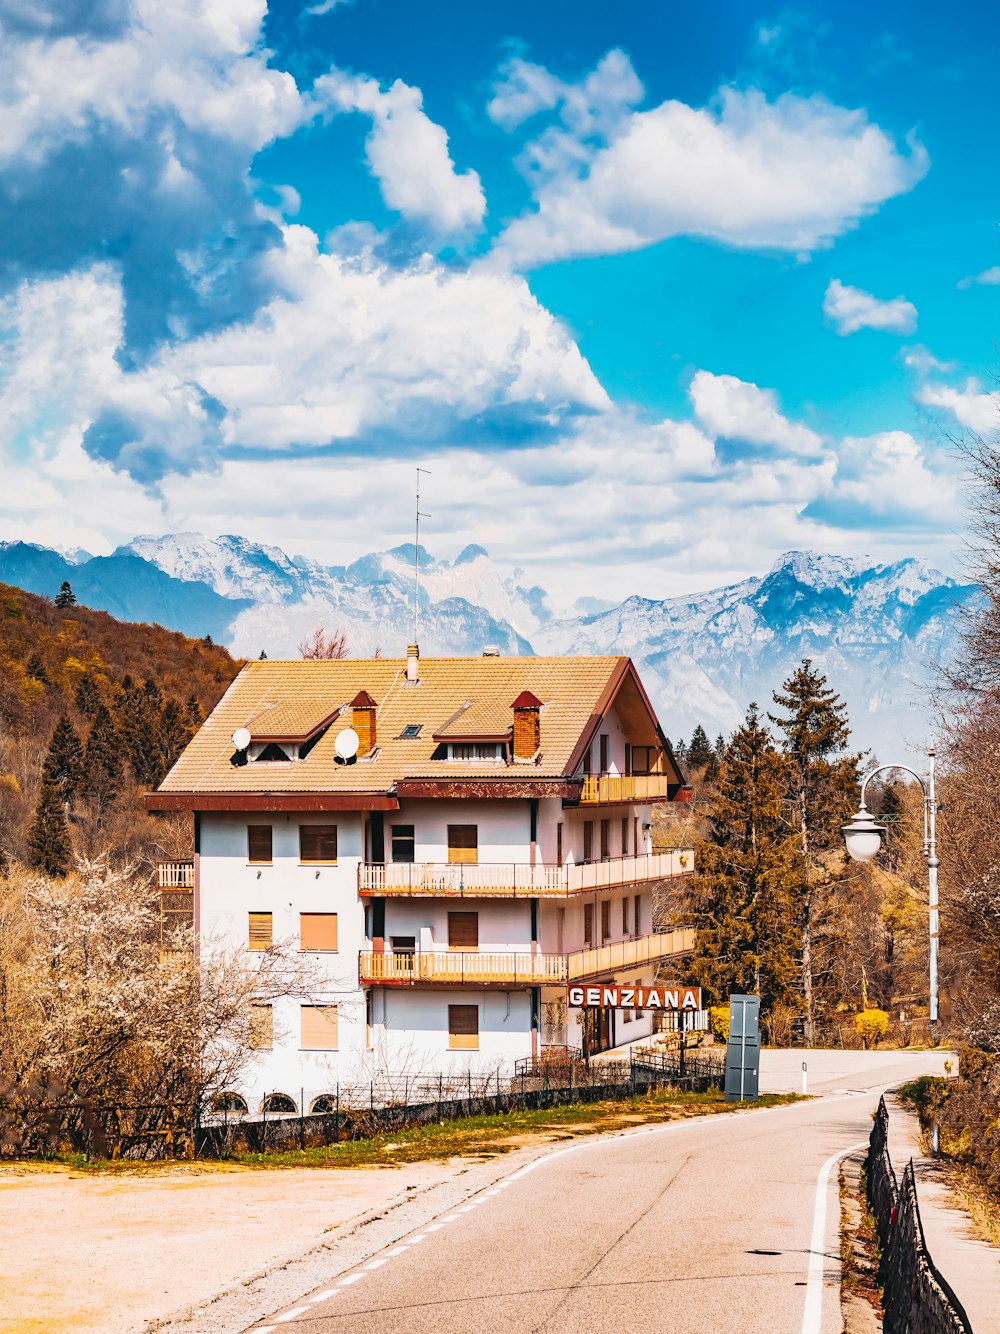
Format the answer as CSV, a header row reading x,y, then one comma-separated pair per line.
x,y
915,1294
515,879
513,968
614,788
175,875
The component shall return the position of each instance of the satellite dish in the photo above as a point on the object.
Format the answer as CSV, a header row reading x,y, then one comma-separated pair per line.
x,y
347,743
241,738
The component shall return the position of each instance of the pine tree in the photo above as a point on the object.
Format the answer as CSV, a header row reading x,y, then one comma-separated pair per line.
x,y
175,733
36,669
65,597
699,750
748,871
138,719
720,746
820,793
87,697
102,761
63,766
263,655
48,838
195,716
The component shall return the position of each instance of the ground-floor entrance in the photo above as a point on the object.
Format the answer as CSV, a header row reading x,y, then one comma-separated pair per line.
x,y
598,1030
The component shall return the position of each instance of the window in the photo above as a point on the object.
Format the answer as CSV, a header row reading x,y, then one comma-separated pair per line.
x,y
637,918
628,759
605,840
606,920
272,754
317,931
318,1027
463,1027
483,751
259,843
604,747
463,843
261,1027
229,1102
403,944
463,931
324,1104
278,1102
625,916
587,760
559,844
635,836
403,843
588,925
624,835
317,842
410,732
260,933
588,840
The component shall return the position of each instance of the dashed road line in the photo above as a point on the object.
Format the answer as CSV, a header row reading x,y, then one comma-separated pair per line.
x,y
291,1315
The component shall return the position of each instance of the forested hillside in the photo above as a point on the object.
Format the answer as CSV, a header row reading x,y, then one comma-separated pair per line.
x,y
93,712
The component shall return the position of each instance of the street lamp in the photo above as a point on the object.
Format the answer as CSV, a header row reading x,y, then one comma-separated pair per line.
x,y
864,838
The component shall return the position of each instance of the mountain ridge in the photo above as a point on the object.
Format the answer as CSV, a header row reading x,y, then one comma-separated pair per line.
x,y
876,629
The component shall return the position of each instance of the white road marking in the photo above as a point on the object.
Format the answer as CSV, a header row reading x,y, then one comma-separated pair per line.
x,y
812,1316
319,1297
433,1227
377,1263
352,1278
450,1218
290,1315
412,1241
263,1329
466,1208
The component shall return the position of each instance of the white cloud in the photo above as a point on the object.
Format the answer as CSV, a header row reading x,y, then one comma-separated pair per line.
x,y
792,175
890,474
920,359
971,406
851,309
408,153
738,410
591,108
988,278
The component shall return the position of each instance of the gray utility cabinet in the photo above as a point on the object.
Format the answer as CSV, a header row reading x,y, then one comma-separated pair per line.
x,y
743,1051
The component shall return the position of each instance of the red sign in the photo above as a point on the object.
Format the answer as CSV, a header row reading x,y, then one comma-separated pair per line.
x,y
635,998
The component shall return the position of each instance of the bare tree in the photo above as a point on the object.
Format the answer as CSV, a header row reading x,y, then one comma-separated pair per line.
x,y
323,643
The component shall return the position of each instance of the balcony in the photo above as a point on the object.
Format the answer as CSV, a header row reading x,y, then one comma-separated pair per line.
x,y
615,789
517,880
175,875
483,968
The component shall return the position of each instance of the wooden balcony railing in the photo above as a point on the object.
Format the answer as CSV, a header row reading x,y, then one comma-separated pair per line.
x,y
609,789
491,968
655,948
516,880
175,875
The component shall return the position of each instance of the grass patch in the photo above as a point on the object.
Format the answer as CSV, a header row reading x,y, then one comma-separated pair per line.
x,y
474,1136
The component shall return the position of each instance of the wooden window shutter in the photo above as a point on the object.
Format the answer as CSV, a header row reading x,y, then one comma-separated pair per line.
x,y
559,843
463,930
624,835
261,1027
463,843
318,1027
463,1027
605,839
588,840
261,930
604,748
606,919
636,924
259,842
625,915
317,842
588,924
317,930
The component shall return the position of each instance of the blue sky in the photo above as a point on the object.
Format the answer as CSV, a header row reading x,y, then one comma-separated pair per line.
x,y
655,291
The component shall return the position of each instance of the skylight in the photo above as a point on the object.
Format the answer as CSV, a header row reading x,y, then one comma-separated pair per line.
x,y
410,732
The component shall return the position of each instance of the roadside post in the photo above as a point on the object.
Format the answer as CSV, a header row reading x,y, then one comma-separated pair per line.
x,y
805,1078
743,1049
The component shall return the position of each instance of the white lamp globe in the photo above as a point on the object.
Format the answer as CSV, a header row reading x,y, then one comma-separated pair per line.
x,y
863,837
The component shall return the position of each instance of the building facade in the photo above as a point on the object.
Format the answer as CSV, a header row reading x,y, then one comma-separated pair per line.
x,y
451,842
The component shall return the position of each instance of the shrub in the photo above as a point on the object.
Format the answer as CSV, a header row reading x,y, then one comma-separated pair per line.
x,y
718,1017
871,1025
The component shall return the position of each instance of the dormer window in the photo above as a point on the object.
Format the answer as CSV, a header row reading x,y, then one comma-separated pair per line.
x,y
272,753
474,752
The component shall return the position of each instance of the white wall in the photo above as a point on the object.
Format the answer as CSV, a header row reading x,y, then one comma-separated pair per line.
x,y
411,1029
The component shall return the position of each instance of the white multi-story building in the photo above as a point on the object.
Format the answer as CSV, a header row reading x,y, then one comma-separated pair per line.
x,y
487,845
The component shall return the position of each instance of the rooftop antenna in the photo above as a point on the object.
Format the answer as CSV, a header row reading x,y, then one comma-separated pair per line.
x,y
416,560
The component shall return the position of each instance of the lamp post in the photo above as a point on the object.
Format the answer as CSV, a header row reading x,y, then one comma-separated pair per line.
x,y
864,838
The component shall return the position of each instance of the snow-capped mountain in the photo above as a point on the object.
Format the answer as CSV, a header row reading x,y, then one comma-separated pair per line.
x,y
875,630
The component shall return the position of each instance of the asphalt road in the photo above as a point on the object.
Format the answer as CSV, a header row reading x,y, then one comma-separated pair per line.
x,y
725,1224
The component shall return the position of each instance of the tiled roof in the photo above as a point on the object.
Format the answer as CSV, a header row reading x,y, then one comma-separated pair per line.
x,y
297,695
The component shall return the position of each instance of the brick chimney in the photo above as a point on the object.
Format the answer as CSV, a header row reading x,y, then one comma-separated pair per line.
x,y
363,721
527,726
